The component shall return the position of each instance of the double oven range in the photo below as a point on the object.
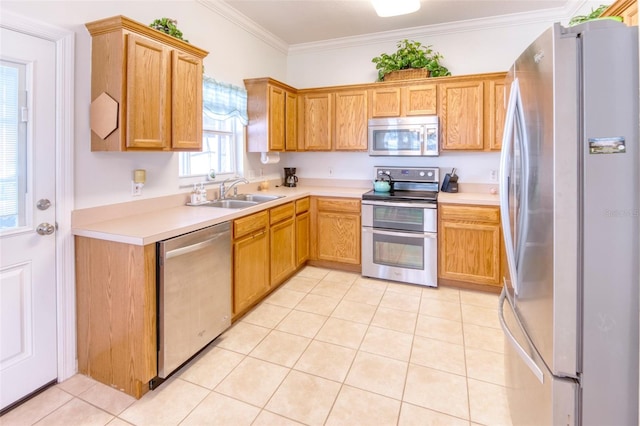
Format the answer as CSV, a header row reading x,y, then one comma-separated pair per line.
x,y
399,227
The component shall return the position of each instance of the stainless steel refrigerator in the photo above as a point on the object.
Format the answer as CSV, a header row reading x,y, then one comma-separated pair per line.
x,y
569,208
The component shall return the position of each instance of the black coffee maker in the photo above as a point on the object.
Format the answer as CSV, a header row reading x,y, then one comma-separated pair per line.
x,y
290,177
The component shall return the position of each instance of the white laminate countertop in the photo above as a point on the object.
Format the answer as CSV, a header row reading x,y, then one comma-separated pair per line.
x,y
147,226
150,226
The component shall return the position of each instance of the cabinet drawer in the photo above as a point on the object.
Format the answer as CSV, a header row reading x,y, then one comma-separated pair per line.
x,y
348,205
488,214
246,225
302,205
280,213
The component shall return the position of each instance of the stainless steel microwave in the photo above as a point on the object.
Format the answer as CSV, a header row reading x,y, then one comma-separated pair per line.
x,y
404,136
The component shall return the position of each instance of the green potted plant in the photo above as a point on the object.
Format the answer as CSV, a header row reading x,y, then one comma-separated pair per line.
x,y
168,26
411,55
595,14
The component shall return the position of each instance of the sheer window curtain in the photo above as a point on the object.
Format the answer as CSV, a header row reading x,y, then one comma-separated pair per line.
x,y
222,101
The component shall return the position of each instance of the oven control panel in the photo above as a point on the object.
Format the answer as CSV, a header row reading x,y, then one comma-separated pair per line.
x,y
409,174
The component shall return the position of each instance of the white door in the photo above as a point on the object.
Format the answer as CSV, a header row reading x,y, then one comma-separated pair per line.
x,y
28,351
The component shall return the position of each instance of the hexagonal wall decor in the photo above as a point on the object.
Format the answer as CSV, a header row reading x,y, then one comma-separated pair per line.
x,y
104,115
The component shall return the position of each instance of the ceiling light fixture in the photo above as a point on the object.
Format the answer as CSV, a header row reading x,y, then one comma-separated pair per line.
x,y
385,8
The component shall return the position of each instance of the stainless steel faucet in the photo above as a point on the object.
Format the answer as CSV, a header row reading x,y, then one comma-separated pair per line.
x,y
223,191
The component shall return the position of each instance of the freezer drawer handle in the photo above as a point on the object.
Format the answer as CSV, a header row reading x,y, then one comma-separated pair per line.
x,y
525,356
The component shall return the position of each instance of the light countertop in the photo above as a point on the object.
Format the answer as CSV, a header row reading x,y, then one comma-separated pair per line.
x,y
151,221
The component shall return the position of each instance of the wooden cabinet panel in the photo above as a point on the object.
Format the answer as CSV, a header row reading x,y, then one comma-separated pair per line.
x,y
251,223
420,99
495,112
627,9
303,205
277,100
186,98
317,128
336,230
303,222
469,240
116,313
385,102
291,121
250,270
280,213
156,82
351,121
283,250
272,110
461,115
148,94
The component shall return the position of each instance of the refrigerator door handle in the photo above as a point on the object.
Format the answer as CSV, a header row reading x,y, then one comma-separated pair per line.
x,y
507,141
512,340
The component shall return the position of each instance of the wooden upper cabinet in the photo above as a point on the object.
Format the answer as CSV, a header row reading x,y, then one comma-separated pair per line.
x,y
186,102
153,86
495,111
419,99
627,9
272,114
291,121
351,121
461,115
405,99
316,115
385,102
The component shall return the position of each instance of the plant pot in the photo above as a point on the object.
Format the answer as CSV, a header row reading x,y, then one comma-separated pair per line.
x,y
408,74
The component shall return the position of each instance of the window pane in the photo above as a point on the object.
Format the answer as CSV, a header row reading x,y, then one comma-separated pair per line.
x,y
12,146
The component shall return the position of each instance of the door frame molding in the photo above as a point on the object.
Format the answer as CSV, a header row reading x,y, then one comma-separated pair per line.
x,y
64,41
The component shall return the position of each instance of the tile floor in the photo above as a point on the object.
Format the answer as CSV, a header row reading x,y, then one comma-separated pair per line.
x,y
326,348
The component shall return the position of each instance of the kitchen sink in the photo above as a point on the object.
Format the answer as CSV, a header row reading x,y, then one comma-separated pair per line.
x,y
230,204
258,198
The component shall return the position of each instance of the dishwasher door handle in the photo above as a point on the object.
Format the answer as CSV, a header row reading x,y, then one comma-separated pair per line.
x,y
193,247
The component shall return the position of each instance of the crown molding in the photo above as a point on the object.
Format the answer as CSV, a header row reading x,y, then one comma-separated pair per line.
x,y
503,21
232,15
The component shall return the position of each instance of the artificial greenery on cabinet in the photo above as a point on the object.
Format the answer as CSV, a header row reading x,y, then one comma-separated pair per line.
x,y
410,55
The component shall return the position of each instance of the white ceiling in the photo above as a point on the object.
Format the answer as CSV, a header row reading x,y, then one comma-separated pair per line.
x,y
309,21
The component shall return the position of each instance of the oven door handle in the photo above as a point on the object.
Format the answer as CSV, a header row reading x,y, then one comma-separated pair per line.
x,y
401,234
397,204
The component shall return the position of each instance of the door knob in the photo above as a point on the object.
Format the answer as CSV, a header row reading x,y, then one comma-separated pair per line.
x,y
45,229
43,204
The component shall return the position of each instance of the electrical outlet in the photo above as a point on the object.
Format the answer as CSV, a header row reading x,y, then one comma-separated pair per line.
x,y
493,175
330,171
136,189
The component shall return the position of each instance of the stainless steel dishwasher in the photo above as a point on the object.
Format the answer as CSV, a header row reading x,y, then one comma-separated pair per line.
x,y
194,294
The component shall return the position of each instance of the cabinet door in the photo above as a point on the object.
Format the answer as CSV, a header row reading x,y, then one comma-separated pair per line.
x,y
148,94
351,121
250,270
186,102
338,237
303,221
470,252
420,100
385,102
291,121
317,113
495,114
461,115
277,99
283,251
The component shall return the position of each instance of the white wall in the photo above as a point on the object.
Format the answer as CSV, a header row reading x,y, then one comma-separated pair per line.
x,y
105,178
468,48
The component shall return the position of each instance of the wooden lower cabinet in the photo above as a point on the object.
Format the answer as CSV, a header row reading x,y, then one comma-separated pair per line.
x,y
470,244
336,230
116,313
303,225
282,243
250,260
